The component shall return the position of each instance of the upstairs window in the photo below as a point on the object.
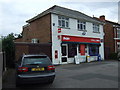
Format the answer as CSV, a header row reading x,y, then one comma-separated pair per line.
x,y
63,22
118,33
95,28
81,25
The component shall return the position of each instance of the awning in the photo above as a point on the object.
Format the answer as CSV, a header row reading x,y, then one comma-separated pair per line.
x,y
64,42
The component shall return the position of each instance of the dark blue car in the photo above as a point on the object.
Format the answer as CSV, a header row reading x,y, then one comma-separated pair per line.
x,y
31,69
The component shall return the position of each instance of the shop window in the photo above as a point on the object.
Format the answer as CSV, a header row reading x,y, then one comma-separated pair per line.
x,y
72,50
64,53
81,25
93,50
95,28
63,22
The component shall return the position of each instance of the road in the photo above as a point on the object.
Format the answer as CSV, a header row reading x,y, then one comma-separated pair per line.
x,y
102,74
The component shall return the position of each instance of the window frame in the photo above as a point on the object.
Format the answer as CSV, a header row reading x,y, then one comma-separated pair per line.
x,y
63,22
94,50
81,25
118,34
96,28
34,40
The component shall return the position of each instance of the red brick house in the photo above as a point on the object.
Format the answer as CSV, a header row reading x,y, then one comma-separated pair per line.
x,y
111,37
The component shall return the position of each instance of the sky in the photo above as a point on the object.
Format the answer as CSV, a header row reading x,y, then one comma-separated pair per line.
x,y
15,13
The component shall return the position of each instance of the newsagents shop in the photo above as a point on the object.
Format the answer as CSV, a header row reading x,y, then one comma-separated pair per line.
x,y
73,45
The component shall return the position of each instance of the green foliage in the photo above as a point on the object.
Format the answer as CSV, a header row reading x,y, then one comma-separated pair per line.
x,y
20,35
114,56
9,48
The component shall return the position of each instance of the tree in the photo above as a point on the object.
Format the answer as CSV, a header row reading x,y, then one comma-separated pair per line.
x,y
9,48
18,35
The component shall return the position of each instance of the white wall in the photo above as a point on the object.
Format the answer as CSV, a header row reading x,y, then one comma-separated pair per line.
x,y
56,44
74,31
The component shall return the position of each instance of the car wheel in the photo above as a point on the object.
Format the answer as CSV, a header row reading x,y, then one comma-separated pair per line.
x,y
18,84
50,82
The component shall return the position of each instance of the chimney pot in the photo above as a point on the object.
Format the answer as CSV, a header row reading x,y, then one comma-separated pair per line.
x,y
102,18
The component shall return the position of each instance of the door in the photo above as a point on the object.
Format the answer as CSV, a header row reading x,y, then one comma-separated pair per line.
x,y
64,52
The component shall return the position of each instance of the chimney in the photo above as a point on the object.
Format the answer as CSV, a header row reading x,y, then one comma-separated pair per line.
x,y
102,18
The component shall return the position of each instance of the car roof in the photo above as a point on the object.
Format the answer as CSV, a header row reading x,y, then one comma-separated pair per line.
x,y
30,55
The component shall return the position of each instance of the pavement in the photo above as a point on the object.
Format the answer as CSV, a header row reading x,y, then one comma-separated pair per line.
x,y
102,74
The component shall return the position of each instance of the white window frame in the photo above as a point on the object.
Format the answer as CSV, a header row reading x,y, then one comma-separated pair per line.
x,y
81,25
96,28
63,22
34,40
118,32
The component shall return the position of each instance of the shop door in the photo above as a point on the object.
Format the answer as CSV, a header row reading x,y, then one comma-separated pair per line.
x,y
64,53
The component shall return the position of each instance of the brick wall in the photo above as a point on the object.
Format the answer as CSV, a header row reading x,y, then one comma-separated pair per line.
x,y
109,42
20,48
31,48
39,28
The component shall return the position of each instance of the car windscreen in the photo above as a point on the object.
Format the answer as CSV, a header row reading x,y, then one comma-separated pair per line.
x,y
36,60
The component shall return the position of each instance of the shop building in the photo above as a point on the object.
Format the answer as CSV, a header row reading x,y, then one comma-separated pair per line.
x,y
73,35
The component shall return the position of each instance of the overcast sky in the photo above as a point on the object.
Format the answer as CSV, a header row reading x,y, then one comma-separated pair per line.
x,y
15,13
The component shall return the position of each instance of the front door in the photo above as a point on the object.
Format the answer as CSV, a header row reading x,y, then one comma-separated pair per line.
x,y
64,52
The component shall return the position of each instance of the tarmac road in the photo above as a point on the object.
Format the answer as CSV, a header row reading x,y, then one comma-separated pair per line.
x,y
102,74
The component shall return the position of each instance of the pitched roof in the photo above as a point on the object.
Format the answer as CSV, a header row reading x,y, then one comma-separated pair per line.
x,y
107,21
65,12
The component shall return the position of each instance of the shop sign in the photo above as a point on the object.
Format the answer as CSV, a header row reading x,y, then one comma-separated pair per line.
x,y
59,30
58,37
56,54
80,39
66,38
95,40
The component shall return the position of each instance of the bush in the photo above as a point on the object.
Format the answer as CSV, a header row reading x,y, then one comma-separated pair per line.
x,y
9,49
113,56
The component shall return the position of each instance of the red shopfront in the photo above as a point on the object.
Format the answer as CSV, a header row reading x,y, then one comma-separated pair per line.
x,y
74,45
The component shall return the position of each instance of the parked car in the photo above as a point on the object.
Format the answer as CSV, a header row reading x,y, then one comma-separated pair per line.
x,y
34,69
